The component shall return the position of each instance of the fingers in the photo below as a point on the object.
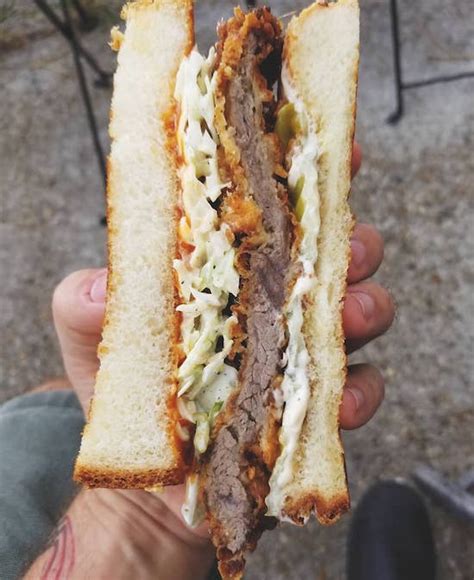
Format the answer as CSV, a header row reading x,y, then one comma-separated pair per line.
x,y
78,302
356,158
363,394
366,253
78,312
368,312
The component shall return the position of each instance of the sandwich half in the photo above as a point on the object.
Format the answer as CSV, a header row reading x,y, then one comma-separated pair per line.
x,y
222,362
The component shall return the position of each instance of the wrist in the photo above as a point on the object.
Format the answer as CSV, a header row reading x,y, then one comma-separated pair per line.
x,y
151,537
120,535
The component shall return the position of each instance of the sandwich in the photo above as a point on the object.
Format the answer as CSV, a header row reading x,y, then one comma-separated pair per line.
x,y
222,361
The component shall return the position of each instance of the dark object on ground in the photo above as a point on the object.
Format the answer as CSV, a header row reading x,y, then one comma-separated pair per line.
x,y
390,537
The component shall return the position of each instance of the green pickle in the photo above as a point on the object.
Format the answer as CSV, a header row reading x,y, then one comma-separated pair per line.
x,y
295,192
298,189
289,125
215,411
285,124
299,208
296,199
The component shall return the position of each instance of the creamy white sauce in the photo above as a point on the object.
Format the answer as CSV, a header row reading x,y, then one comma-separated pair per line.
x,y
295,386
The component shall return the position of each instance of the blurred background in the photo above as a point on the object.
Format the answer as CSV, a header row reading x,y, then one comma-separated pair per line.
x,y
415,185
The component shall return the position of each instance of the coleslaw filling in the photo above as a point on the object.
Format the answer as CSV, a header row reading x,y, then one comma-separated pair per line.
x,y
205,268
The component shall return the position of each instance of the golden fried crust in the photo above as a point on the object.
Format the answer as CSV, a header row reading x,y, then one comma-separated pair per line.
x,y
231,566
239,210
232,37
244,216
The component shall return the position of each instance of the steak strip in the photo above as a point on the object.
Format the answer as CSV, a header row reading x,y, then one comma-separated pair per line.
x,y
245,447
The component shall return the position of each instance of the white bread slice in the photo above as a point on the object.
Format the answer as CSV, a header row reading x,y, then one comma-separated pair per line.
x,y
321,55
130,438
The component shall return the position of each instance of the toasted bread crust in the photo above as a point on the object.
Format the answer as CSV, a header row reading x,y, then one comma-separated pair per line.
x,y
328,511
123,479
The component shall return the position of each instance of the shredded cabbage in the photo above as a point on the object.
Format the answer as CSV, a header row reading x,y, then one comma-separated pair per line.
x,y
192,509
207,275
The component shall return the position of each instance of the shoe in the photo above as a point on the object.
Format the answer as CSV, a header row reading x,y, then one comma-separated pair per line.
x,y
390,536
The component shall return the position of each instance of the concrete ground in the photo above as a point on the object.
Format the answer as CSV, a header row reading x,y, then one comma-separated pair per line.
x,y
416,185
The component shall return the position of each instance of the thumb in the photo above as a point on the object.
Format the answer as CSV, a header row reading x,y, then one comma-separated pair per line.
x,y
78,312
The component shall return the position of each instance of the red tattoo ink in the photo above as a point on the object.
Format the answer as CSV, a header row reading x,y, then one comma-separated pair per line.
x,y
61,561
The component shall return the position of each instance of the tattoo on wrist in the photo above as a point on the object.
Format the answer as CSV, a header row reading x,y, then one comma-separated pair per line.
x,y
61,550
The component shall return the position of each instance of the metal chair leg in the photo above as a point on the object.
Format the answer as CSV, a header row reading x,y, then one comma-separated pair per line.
x,y
85,91
103,77
397,64
88,21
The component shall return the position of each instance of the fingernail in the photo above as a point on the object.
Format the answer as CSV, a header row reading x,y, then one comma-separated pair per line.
x,y
359,397
358,253
366,304
99,287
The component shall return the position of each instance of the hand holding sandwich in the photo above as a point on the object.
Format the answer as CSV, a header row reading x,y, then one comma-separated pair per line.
x,y
79,303
223,359
122,533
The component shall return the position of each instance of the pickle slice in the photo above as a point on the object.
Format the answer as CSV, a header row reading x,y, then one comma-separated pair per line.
x,y
284,123
299,208
295,192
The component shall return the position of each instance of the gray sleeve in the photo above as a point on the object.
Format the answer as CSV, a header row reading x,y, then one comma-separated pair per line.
x,y
39,439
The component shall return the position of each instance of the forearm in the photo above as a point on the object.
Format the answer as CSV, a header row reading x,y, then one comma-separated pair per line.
x,y
109,534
